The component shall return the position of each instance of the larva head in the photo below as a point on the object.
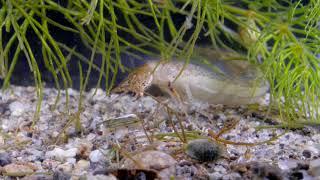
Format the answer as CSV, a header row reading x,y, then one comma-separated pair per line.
x,y
136,82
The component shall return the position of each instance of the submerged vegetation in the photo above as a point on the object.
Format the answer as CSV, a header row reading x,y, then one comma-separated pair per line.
x,y
280,36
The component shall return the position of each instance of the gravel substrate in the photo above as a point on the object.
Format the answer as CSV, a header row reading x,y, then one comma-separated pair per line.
x,y
52,148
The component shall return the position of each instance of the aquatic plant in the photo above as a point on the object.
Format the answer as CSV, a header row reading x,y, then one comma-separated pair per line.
x,y
281,36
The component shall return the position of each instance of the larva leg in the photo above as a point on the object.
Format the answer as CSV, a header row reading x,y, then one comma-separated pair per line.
x,y
175,95
188,92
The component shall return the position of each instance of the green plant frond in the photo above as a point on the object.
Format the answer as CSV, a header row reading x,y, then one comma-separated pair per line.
x,y
91,9
313,14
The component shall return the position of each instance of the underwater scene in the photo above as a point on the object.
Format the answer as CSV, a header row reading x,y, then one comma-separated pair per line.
x,y
159,89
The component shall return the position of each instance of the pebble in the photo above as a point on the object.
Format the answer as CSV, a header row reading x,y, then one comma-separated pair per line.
x,y
71,160
65,167
155,160
50,164
1,140
60,154
231,176
306,153
287,164
260,170
38,177
101,177
215,175
60,175
96,95
96,156
81,167
314,167
17,170
185,171
220,169
91,137
150,159
5,159
35,154
18,108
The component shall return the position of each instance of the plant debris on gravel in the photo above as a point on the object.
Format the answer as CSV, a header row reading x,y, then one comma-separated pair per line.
x,y
53,147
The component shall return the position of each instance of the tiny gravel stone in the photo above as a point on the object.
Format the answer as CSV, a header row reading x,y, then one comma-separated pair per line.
x,y
5,159
265,171
220,169
215,175
60,175
38,177
71,160
230,176
61,155
17,170
18,108
35,154
302,174
101,177
296,175
306,153
66,167
287,164
303,166
96,156
186,171
156,160
1,140
81,167
314,167
151,159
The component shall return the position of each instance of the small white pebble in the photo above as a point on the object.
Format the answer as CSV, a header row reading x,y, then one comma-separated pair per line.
x,y
60,154
66,167
18,108
96,156
315,167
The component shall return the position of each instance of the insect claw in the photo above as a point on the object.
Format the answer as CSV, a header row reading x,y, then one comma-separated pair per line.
x,y
137,95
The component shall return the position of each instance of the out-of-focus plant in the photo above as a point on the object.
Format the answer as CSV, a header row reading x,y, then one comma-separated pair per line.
x,y
281,36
